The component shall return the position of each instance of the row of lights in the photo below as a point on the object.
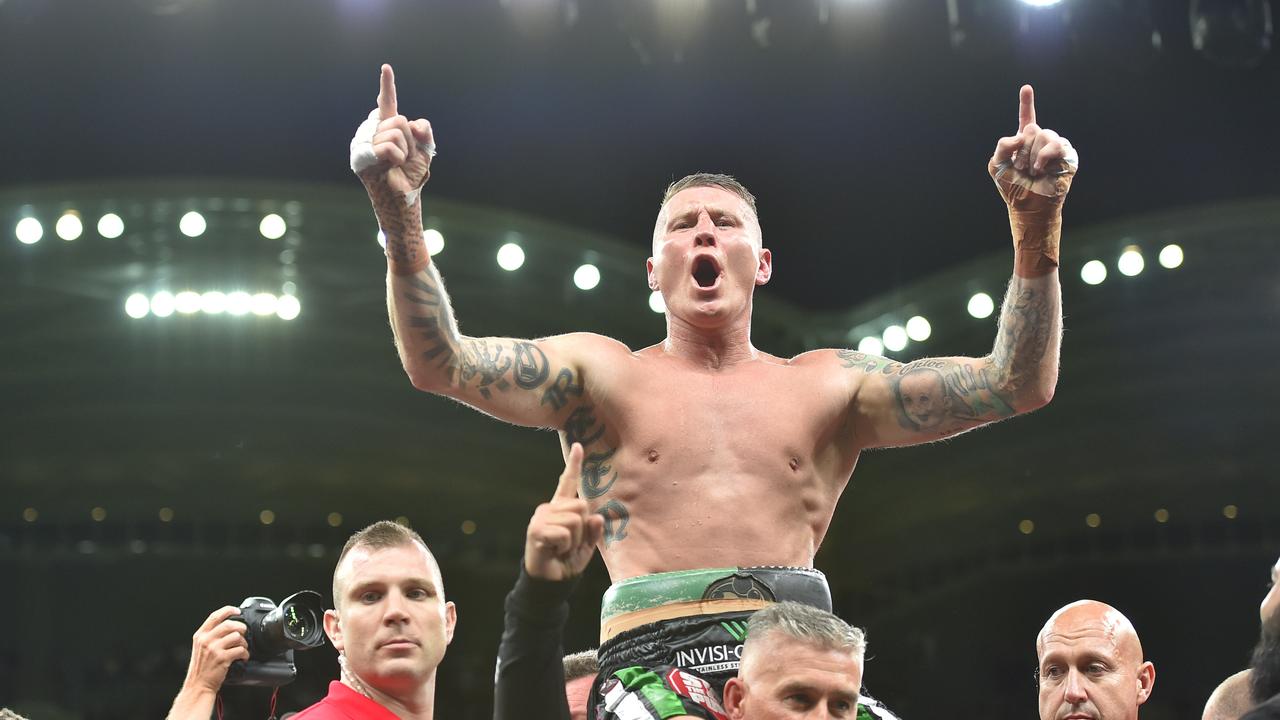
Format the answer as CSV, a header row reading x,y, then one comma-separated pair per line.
x,y
70,227
214,302
265,517
981,305
1094,520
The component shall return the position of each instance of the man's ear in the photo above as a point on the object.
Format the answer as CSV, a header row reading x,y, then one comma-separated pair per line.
x,y
735,695
450,620
1146,681
765,270
648,269
333,628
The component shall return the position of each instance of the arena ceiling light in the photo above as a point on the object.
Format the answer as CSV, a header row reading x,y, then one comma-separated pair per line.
x,y
1041,3
894,338
510,257
239,303
871,345
288,307
187,302
1130,262
29,231
272,227
110,226
69,226
263,304
163,304
981,305
586,277
192,224
1170,256
213,302
918,329
656,303
137,306
1093,272
434,239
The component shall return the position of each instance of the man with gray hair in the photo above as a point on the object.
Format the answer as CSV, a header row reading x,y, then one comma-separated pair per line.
x,y
798,662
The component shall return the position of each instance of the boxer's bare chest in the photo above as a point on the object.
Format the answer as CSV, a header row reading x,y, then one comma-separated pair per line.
x,y
669,448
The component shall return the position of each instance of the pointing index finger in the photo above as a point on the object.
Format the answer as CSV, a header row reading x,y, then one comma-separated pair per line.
x,y
572,475
1026,107
387,94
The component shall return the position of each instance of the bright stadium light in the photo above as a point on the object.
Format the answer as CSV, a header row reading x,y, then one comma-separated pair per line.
x,y
137,306
871,345
187,302
434,239
288,307
656,303
1093,272
918,329
894,338
213,302
586,277
263,304
69,226
510,257
1170,256
239,303
29,231
1041,3
1130,262
192,224
981,305
272,227
163,304
110,226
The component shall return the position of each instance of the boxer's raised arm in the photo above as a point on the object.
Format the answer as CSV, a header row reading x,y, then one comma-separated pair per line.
x,y
521,381
897,404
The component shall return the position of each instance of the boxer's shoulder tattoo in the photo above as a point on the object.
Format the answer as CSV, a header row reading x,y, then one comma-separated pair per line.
x,y
616,519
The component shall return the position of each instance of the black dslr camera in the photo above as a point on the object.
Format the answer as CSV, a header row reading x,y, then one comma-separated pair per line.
x,y
274,633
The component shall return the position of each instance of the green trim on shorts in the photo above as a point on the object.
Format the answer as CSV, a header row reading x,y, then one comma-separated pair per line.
x,y
646,591
666,703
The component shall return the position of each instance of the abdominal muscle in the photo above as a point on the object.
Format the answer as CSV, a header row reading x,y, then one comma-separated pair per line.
x,y
691,520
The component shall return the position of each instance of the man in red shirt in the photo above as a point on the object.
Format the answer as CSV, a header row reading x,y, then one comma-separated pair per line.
x,y
390,625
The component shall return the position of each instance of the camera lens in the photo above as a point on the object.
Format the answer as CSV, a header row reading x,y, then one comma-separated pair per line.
x,y
299,622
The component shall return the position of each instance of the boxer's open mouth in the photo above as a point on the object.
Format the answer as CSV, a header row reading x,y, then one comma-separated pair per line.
x,y
706,271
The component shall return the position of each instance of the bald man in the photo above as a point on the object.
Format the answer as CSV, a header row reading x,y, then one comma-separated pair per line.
x,y
1231,699
1091,665
1264,670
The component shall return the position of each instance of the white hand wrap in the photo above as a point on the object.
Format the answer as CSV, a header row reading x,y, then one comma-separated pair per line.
x,y
362,157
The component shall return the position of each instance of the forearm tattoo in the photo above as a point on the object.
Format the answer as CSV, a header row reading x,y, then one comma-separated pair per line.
x,y
493,366
941,396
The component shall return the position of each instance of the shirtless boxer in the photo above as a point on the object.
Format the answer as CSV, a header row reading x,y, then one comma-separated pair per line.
x,y
715,465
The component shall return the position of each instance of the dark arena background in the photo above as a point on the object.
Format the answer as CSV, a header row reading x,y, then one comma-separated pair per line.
x,y
201,399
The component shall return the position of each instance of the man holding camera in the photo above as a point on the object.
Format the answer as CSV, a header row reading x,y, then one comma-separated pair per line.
x,y
390,625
